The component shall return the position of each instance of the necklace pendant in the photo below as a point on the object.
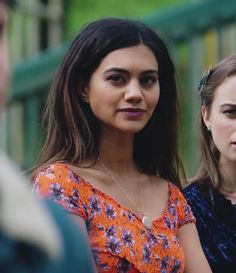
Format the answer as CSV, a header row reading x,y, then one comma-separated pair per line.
x,y
147,222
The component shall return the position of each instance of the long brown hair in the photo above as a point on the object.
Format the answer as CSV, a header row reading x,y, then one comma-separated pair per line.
x,y
209,171
73,131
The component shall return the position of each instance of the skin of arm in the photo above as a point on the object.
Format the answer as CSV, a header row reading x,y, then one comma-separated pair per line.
x,y
195,260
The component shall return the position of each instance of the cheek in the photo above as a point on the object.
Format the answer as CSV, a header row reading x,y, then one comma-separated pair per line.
x,y
101,93
153,99
102,102
221,131
221,125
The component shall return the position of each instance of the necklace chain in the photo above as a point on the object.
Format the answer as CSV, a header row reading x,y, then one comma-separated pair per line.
x,y
140,210
145,219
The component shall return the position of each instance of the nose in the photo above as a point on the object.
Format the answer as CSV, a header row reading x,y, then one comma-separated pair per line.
x,y
133,92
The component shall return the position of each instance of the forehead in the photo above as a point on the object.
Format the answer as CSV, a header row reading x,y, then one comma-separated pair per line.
x,y
226,91
130,57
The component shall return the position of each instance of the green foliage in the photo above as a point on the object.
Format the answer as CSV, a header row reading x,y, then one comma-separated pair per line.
x,y
80,12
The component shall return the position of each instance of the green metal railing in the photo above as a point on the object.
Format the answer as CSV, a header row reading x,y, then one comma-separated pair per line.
x,y
181,23
189,30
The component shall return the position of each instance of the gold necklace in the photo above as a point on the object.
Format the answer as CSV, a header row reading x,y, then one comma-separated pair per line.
x,y
145,219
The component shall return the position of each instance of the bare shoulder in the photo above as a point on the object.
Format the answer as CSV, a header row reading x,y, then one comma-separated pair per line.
x,y
80,170
89,173
158,186
158,182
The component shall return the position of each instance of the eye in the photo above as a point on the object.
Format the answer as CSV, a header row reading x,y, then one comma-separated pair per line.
x,y
148,80
230,112
116,79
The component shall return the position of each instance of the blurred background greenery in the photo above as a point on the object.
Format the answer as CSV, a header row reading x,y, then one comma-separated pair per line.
x,y
82,11
198,33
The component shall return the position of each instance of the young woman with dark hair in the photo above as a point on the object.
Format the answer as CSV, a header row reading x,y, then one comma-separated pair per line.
x,y
212,195
110,156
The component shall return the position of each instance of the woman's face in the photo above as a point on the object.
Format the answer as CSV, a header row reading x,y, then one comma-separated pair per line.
x,y
4,58
221,120
124,90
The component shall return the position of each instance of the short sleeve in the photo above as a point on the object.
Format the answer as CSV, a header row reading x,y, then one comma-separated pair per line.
x,y
185,213
58,183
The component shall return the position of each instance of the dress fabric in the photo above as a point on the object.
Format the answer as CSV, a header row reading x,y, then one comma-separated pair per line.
x,y
119,241
216,224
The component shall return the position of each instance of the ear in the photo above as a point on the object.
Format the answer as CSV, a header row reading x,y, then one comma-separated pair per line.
x,y
85,95
206,117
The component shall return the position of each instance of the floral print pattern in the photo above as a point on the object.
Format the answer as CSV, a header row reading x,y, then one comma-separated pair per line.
x,y
119,240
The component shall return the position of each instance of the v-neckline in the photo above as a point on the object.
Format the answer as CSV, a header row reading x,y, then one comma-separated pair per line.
x,y
121,206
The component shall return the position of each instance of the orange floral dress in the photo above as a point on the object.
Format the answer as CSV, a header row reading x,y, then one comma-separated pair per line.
x,y
119,241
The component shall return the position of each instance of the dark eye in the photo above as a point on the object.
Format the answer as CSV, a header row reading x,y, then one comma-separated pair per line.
x,y
116,79
230,112
148,81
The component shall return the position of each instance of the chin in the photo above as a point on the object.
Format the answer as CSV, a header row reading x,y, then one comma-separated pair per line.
x,y
132,130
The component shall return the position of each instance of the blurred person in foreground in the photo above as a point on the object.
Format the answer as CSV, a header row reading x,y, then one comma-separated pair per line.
x,y
35,236
212,193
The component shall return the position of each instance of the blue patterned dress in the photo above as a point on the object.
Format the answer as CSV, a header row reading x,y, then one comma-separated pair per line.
x,y
216,224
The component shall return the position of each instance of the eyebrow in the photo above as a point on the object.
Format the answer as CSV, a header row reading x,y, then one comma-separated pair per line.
x,y
124,71
227,105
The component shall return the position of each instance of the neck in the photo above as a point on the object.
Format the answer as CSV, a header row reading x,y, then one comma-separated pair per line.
x,y
116,152
228,173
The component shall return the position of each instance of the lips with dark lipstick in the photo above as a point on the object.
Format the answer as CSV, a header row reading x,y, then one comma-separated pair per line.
x,y
132,112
